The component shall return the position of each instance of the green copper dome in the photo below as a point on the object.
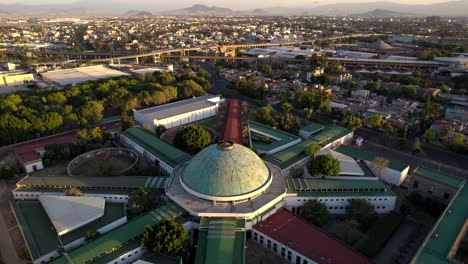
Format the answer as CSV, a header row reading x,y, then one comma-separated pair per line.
x,y
226,171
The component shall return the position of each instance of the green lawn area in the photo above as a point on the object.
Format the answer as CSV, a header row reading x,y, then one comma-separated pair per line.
x,y
380,233
211,122
113,166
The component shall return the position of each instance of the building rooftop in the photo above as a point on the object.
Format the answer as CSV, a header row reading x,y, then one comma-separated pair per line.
x,y
348,166
167,153
312,128
330,134
221,241
362,155
291,155
120,182
438,176
178,108
119,236
438,244
75,76
321,187
68,213
308,240
27,152
279,137
224,170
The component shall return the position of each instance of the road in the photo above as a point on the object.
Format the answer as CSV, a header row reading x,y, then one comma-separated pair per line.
x,y
434,157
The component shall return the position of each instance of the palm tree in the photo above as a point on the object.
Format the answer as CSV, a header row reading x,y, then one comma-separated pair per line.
x,y
380,164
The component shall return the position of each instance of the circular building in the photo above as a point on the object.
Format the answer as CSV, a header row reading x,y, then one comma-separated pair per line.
x,y
226,172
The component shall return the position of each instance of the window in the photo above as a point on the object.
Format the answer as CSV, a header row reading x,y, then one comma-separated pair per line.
x,y
283,252
261,239
289,255
415,184
446,195
255,236
305,261
275,247
298,260
268,243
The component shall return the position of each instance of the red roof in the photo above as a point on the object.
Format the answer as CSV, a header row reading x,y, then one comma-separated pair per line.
x,y
27,152
232,130
308,240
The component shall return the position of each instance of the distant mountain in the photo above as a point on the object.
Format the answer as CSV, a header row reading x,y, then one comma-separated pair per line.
x,y
138,13
259,11
200,10
384,14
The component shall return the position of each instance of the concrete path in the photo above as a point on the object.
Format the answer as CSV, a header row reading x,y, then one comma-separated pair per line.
x,y
7,249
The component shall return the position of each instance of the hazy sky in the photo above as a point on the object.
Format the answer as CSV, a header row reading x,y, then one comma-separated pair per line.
x,y
236,4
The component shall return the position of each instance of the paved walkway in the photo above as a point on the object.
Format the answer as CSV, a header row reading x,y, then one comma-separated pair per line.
x,y
7,249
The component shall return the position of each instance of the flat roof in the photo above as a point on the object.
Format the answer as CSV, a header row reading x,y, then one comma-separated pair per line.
x,y
308,240
280,137
291,155
104,182
330,134
439,242
221,241
178,108
362,155
348,166
167,153
82,74
312,127
118,237
438,176
318,187
68,213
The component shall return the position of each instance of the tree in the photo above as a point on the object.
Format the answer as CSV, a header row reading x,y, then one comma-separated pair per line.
x,y
73,192
143,199
352,123
445,133
458,144
91,235
347,231
287,107
312,149
160,129
380,163
91,111
409,91
417,149
429,135
7,172
166,238
324,165
192,139
389,131
315,212
362,211
297,171
189,88
264,115
308,112
376,120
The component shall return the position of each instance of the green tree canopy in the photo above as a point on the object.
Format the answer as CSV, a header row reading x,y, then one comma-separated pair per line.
x,y
315,212
324,165
92,111
189,88
166,238
353,122
417,149
362,211
192,139
445,133
376,120
143,199
429,135
312,149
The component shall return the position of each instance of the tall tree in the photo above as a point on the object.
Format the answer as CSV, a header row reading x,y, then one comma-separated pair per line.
x,y
312,148
324,165
166,238
429,135
192,139
417,149
352,123
380,163
376,120
315,212
362,211
143,199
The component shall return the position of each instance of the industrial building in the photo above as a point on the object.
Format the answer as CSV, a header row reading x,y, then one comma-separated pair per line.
x,y
15,79
79,75
179,113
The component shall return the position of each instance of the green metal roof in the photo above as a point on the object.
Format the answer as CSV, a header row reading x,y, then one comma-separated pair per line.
x,y
324,187
118,182
223,241
312,127
167,153
362,155
438,176
218,172
439,242
290,155
118,237
330,134
280,137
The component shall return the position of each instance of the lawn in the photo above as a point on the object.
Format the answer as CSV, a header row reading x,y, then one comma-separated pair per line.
x,y
97,167
380,233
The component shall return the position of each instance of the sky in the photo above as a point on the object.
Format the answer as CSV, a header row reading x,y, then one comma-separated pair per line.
x,y
237,4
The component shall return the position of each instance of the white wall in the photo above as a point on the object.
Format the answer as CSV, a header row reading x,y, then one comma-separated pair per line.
x,y
389,175
279,148
337,204
34,195
130,256
29,168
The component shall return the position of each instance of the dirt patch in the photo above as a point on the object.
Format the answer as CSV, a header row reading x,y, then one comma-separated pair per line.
x,y
7,214
257,254
19,244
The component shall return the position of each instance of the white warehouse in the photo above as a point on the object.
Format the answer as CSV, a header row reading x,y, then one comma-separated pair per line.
x,y
179,113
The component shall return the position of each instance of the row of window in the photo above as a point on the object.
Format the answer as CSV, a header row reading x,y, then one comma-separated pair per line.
x,y
431,190
337,200
284,253
37,195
